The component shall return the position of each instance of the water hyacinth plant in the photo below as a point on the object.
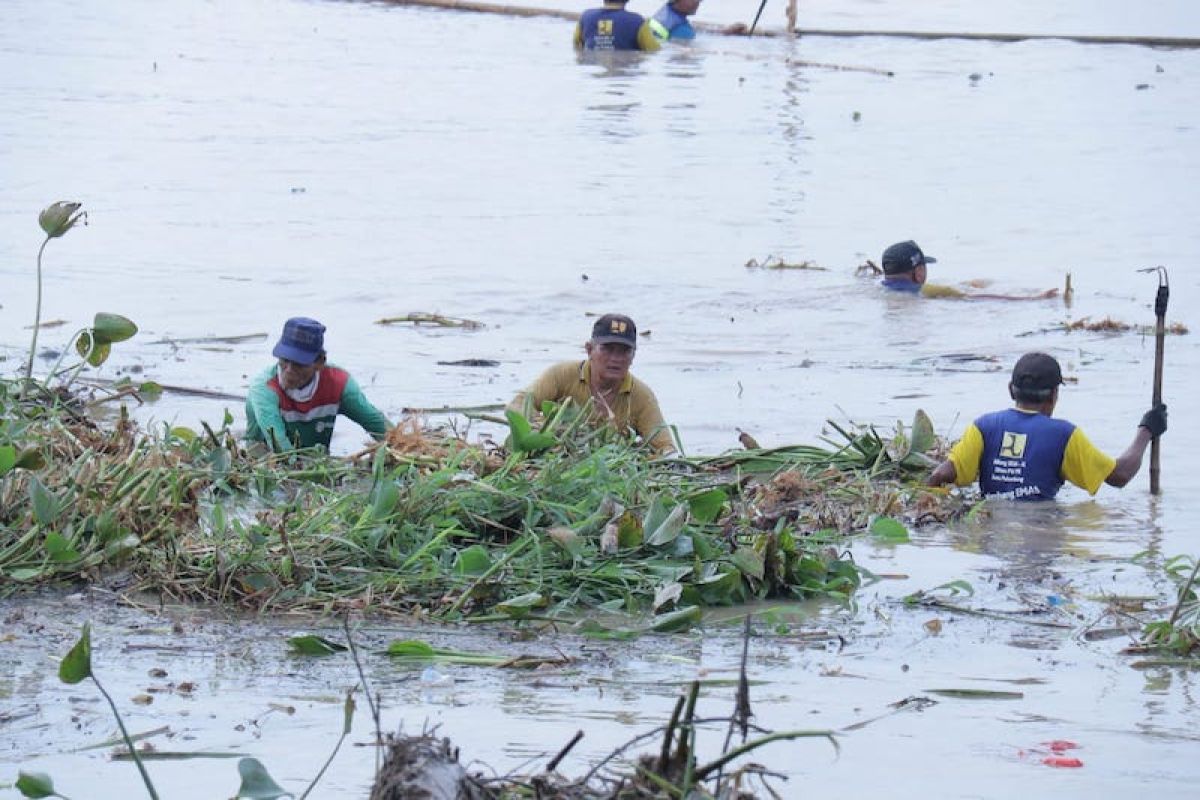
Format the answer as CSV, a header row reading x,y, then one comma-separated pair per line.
x,y
584,527
56,219
93,344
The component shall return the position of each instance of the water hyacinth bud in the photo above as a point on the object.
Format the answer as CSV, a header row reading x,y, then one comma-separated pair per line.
x,y
60,217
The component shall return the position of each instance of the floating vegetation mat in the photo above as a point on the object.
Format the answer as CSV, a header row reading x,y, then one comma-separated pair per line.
x,y
425,523
1110,325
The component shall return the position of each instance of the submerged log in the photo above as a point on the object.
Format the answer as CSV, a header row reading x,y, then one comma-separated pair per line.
x,y
424,768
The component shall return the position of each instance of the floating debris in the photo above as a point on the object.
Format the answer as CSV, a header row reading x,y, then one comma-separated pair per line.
x,y
421,318
774,262
1108,325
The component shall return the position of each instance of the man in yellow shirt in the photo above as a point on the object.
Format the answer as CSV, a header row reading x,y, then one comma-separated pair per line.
x,y
603,383
1023,453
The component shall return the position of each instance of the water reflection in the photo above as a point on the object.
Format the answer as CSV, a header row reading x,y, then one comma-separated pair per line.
x,y
1028,537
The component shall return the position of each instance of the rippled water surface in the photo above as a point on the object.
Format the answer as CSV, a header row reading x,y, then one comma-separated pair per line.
x,y
242,162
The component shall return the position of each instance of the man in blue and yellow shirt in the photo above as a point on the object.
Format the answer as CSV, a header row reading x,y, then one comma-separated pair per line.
x,y
296,402
1023,453
613,28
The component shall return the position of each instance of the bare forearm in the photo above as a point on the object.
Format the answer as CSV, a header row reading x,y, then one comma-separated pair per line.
x,y
943,474
1129,462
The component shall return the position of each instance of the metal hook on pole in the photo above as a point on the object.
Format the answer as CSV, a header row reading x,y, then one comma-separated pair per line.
x,y
1160,334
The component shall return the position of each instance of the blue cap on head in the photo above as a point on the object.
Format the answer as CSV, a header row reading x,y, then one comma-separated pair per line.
x,y
303,341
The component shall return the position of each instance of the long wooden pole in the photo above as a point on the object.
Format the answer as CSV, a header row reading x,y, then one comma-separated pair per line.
x,y
1160,335
530,11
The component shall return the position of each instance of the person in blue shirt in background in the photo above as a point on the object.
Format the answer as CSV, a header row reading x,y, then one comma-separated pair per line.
x,y
904,270
613,28
671,21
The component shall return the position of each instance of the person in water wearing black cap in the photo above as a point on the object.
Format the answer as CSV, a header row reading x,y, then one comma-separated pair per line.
x,y
904,270
603,380
296,402
1023,453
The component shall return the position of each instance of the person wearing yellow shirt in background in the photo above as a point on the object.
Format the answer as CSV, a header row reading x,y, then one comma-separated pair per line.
x,y
603,382
1023,453
611,27
904,270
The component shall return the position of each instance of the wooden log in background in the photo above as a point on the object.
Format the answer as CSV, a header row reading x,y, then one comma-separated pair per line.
x,y
524,11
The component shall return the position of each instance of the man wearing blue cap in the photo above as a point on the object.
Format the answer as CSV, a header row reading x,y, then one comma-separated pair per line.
x,y
904,270
296,402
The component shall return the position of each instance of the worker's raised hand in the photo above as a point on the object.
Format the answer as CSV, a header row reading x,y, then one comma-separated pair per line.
x,y
1155,420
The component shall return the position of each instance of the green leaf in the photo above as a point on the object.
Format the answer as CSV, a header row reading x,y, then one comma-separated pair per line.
x,y
8,458
655,514
593,629
311,645
521,605
749,561
473,560
678,620
99,354
666,532
45,504
35,784
109,328
629,531
184,434
387,495
721,588
30,460
26,573
889,529
707,506
410,648
59,549
77,664
150,390
922,436
524,440
257,784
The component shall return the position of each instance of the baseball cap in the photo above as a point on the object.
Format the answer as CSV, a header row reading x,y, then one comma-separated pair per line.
x,y
303,340
1036,374
615,328
904,257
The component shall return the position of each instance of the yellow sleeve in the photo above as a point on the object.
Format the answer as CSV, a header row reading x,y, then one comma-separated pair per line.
x,y
648,422
966,455
1084,464
550,385
937,290
646,39
578,36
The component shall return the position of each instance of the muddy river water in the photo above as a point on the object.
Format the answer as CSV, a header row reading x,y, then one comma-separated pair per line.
x,y
243,162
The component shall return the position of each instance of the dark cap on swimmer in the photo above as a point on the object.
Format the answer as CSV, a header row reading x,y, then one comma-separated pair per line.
x,y
904,257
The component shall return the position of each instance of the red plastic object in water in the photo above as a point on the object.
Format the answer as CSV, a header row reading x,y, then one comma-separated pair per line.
x,y
1060,745
1061,762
